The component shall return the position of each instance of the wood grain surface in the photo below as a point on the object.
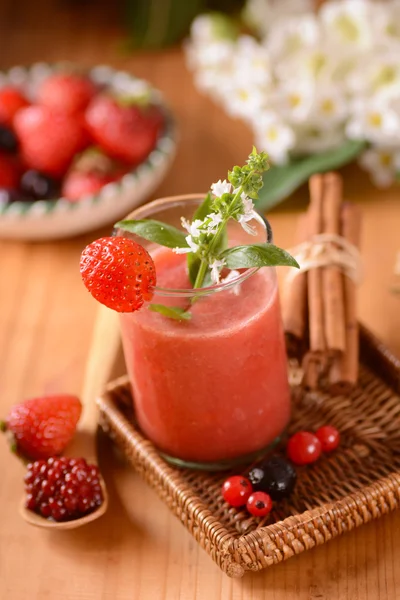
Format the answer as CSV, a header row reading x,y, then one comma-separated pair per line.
x,y
138,550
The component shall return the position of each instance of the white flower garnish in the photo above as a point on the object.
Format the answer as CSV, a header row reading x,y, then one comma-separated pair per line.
x,y
215,266
382,164
221,187
185,224
215,219
248,215
192,246
194,227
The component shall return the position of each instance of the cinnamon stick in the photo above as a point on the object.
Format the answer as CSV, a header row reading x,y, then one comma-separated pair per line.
x,y
314,276
332,278
311,370
344,370
294,301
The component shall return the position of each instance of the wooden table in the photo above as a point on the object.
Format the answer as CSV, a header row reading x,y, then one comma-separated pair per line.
x,y
138,550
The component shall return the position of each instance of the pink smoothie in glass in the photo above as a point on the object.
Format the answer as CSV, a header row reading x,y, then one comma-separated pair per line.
x,y
214,387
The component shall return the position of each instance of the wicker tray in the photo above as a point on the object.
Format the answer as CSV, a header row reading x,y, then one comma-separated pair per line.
x,y
357,483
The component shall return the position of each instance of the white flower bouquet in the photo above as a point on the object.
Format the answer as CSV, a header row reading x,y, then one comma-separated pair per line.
x,y
318,89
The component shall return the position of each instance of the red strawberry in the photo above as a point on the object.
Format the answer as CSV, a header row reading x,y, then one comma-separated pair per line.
x,y
49,140
66,93
42,427
78,184
91,171
9,172
118,272
11,101
123,130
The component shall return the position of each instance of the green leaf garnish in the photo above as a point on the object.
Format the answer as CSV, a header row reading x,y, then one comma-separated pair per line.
x,y
155,231
281,181
257,255
179,314
205,240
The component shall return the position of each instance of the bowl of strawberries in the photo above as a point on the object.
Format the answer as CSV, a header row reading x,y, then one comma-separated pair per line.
x,y
78,150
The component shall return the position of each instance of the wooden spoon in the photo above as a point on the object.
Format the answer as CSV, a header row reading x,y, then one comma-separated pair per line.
x,y
104,348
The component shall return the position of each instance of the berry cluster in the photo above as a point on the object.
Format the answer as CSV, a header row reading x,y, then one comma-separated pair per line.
x,y
275,478
272,479
63,489
305,447
45,141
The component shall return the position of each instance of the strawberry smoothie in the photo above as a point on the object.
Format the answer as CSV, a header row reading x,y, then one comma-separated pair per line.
x,y
215,387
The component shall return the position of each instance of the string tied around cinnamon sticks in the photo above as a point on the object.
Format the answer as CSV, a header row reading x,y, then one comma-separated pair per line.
x,y
325,250
319,303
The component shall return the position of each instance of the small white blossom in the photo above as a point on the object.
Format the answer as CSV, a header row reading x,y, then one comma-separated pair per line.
x,y
275,137
194,227
292,35
215,266
374,121
202,29
348,22
329,108
248,215
185,224
192,246
221,187
265,15
294,101
250,229
214,220
382,164
242,99
251,61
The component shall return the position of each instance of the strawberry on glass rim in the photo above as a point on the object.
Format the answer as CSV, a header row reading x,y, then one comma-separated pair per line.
x,y
118,272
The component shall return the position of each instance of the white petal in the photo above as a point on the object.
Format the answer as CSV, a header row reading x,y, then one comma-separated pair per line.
x,y
221,187
248,228
181,250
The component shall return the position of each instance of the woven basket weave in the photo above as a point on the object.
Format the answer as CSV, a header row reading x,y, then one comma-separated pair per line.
x,y
357,483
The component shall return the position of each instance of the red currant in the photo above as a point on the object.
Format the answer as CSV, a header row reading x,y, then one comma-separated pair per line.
x,y
236,490
259,504
303,448
329,437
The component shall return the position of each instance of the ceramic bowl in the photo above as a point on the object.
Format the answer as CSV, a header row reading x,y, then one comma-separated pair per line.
x,y
52,219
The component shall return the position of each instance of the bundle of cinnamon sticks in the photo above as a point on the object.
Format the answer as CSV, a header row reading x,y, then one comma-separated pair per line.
x,y
319,304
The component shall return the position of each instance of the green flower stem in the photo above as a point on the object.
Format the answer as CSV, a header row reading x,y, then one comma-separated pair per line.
x,y
204,263
201,273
